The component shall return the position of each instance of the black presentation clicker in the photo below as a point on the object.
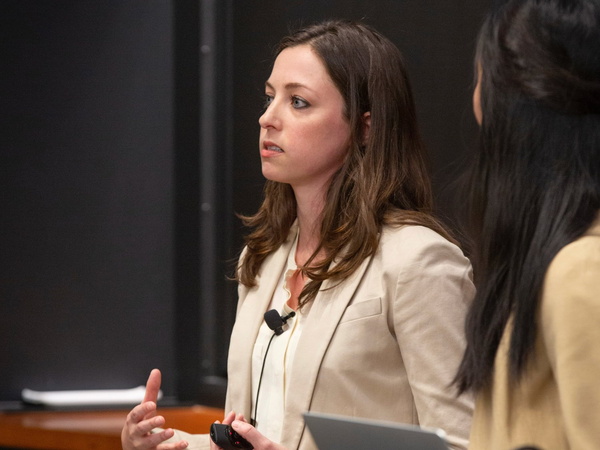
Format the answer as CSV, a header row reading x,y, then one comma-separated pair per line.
x,y
226,438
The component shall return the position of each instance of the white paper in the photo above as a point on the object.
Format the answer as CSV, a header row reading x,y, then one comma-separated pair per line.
x,y
91,397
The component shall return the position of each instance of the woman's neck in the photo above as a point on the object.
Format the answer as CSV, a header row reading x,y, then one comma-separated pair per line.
x,y
310,214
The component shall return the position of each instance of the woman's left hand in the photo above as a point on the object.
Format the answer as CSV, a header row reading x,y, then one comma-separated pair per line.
x,y
252,435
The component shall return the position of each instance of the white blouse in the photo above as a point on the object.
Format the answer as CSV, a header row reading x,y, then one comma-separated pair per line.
x,y
277,361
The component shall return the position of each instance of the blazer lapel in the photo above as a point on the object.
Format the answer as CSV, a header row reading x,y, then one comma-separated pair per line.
x,y
254,304
325,313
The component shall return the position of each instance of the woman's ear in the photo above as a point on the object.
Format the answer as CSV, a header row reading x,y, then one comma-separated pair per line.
x,y
366,127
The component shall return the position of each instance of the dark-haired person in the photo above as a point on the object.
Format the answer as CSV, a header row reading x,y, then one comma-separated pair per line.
x,y
346,239
533,353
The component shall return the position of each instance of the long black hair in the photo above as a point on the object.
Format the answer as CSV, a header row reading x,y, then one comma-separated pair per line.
x,y
535,185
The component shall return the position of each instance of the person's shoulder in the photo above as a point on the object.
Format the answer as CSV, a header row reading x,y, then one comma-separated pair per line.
x,y
416,243
572,283
578,260
412,236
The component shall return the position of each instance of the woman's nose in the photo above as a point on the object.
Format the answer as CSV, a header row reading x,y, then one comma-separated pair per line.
x,y
269,118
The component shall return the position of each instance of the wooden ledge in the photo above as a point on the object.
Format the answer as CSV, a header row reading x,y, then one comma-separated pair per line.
x,y
98,430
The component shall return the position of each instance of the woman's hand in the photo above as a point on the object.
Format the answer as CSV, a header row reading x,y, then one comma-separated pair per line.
x,y
227,421
252,435
137,431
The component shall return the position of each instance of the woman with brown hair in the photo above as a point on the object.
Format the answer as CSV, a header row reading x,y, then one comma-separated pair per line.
x,y
345,247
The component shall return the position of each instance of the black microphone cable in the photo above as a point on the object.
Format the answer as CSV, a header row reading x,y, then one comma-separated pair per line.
x,y
275,322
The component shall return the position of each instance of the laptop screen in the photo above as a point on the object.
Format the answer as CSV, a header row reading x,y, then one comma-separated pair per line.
x,y
334,432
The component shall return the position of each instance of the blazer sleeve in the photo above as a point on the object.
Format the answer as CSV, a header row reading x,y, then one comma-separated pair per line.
x,y
433,293
195,441
571,328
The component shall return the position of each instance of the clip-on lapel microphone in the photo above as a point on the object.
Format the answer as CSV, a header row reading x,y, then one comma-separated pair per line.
x,y
276,322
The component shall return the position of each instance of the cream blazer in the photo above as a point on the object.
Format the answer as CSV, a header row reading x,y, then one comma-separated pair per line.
x,y
556,405
383,344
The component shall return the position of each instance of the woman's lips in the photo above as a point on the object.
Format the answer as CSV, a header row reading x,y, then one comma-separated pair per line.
x,y
270,149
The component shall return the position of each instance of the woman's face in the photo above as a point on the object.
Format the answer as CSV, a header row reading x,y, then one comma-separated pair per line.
x,y
304,135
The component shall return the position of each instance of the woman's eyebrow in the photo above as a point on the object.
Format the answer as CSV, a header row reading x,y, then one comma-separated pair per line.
x,y
292,85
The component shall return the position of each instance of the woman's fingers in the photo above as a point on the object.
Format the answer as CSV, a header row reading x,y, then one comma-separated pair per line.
x,y
146,426
173,446
140,429
153,386
230,417
143,411
252,435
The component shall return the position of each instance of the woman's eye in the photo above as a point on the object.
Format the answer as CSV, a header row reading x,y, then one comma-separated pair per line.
x,y
299,103
268,101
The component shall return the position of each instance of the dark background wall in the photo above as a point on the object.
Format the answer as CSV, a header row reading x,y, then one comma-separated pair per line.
x,y
128,140
86,188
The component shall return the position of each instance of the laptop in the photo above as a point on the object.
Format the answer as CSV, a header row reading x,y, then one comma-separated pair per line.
x,y
334,432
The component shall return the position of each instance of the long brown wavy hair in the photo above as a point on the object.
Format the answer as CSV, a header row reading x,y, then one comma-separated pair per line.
x,y
382,181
